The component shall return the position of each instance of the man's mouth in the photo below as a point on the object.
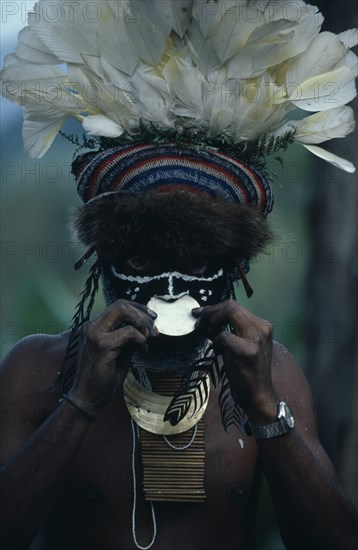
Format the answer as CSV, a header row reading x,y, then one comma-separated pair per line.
x,y
171,353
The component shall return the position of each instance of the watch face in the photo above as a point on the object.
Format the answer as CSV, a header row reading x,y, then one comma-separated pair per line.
x,y
289,418
285,414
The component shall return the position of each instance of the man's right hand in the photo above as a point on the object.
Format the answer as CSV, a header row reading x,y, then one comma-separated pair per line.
x,y
106,345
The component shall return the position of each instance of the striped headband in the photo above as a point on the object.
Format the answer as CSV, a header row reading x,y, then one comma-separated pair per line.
x,y
144,167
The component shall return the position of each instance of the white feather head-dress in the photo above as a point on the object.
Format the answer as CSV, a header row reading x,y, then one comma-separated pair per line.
x,y
229,72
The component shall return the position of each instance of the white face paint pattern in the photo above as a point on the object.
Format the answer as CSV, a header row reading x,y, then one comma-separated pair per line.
x,y
171,276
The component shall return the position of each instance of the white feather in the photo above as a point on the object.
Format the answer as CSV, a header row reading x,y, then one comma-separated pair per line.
x,y
144,33
112,98
38,135
188,91
157,12
337,161
209,13
308,18
18,70
151,96
202,50
254,111
350,61
321,126
230,36
337,123
57,31
320,58
100,125
238,66
219,103
274,37
22,81
349,38
53,40
256,57
326,91
182,10
221,119
31,48
115,46
47,106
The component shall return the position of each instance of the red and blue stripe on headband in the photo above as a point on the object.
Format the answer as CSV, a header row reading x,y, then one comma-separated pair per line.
x,y
144,167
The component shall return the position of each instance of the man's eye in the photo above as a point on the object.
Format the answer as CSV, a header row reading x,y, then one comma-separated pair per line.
x,y
199,271
138,263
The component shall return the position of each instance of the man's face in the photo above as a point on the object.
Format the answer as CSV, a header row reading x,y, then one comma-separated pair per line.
x,y
139,279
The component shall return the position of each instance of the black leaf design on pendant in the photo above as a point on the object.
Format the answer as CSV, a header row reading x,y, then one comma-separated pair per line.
x,y
195,389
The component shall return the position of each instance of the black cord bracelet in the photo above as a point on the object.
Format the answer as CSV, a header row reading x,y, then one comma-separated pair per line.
x,y
81,406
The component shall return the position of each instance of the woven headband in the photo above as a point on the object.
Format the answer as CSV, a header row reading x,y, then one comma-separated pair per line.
x,y
161,168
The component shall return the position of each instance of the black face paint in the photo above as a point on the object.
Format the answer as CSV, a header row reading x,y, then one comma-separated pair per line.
x,y
169,286
167,353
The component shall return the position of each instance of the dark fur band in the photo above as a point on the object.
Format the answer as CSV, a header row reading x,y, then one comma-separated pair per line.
x,y
185,229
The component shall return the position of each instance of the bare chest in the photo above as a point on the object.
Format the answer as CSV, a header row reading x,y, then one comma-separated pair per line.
x,y
96,506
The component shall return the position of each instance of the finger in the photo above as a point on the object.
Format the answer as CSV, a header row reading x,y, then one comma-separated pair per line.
x,y
228,343
243,323
116,309
140,321
145,309
211,319
211,325
197,311
125,312
203,314
126,338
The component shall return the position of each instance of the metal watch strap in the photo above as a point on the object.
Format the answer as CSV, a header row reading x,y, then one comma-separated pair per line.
x,y
284,423
269,430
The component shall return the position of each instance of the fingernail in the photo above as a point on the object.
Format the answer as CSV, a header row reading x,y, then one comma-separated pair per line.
x,y
152,313
196,311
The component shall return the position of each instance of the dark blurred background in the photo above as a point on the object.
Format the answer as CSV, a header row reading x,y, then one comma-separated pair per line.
x,y
306,284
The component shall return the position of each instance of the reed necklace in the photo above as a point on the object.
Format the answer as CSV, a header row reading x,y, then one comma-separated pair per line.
x,y
173,457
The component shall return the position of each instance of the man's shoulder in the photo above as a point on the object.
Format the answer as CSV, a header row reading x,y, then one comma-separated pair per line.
x,y
290,382
284,364
33,363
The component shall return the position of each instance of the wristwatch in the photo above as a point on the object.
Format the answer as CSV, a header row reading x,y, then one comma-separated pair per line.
x,y
285,422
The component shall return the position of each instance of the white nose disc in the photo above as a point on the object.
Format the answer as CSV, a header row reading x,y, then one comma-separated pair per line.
x,y
174,318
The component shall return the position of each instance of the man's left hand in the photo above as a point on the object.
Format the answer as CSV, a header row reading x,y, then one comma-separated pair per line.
x,y
245,343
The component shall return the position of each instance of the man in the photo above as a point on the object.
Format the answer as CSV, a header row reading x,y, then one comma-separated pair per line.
x,y
72,475
110,457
